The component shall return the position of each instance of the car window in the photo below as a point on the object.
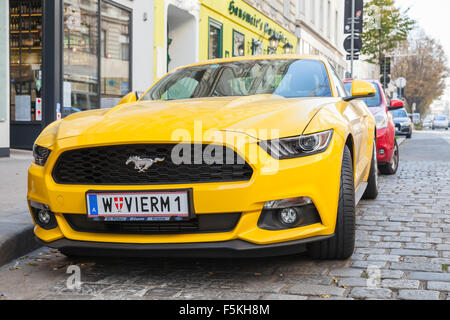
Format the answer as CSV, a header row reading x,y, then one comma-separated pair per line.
x,y
401,113
342,91
441,118
289,78
372,102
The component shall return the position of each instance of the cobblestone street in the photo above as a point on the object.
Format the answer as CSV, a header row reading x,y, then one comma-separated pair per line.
x,y
403,252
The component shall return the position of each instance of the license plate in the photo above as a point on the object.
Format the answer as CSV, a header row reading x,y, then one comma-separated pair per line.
x,y
148,204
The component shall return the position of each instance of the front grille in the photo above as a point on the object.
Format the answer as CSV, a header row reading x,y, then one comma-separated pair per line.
x,y
107,166
204,223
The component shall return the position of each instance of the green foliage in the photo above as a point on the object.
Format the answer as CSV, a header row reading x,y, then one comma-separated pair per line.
x,y
385,27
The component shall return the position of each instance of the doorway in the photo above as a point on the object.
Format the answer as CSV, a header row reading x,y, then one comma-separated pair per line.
x,y
181,38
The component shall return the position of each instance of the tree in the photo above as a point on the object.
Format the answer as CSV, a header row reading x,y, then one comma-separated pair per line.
x,y
385,27
423,63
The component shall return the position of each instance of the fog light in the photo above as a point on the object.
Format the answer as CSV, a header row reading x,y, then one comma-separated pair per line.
x,y
289,216
44,217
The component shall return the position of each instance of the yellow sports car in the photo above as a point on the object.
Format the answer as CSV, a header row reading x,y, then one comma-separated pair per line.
x,y
234,157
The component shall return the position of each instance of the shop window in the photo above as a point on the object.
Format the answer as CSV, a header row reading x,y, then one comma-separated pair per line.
x,y
115,66
80,56
88,84
238,44
25,60
215,36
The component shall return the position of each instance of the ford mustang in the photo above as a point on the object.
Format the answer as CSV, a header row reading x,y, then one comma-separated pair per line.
x,y
234,157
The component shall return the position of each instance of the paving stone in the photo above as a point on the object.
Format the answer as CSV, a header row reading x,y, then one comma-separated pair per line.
x,y
315,290
407,252
416,266
369,293
431,276
439,286
418,295
400,284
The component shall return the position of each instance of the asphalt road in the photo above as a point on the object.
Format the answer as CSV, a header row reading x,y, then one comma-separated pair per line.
x,y
403,252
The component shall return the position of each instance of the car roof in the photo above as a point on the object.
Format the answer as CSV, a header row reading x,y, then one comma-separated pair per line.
x,y
253,58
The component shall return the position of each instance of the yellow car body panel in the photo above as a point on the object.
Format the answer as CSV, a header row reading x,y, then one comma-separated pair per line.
x,y
156,122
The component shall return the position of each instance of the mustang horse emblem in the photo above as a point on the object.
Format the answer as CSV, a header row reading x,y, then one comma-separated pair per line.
x,y
143,164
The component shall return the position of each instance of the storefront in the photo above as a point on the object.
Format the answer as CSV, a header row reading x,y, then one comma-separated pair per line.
x,y
234,28
68,56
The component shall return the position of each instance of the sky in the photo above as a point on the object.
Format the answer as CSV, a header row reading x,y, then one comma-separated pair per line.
x,y
433,17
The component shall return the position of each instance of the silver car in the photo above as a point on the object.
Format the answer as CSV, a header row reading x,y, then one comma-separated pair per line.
x,y
440,122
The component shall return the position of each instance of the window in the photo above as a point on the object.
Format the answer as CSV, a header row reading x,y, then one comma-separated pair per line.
x,y
321,16
301,7
215,39
288,78
312,4
81,77
286,8
88,85
336,33
342,92
329,19
115,66
238,44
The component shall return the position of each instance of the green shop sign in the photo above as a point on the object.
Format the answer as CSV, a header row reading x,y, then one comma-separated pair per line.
x,y
254,21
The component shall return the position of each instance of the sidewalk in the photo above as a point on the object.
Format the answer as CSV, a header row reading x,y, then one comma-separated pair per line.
x,y
16,236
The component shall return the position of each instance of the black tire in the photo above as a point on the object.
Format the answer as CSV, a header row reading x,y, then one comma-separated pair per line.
x,y
371,192
409,135
391,167
342,245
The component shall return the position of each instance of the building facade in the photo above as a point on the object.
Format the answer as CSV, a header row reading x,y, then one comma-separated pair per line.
x,y
65,56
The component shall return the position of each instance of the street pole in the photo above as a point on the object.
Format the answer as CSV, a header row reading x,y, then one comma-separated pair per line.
x,y
353,38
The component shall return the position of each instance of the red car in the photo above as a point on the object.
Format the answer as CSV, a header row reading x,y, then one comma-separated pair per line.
x,y
387,147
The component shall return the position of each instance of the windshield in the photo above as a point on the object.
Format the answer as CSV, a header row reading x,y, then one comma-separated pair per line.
x,y
372,102
288,78
401,113
441,118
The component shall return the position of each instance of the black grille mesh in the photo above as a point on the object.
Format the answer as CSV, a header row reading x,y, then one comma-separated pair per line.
x,y
107,166
203,223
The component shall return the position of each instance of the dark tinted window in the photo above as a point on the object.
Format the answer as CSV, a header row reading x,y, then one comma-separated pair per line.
x,y
371,102
288,78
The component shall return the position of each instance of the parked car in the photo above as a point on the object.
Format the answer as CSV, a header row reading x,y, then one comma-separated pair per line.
x,y
156,176
388,154
440,122
403,124
428,122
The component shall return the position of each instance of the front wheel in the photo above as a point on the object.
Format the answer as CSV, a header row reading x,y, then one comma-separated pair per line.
x,y
342,245
391,167
371,192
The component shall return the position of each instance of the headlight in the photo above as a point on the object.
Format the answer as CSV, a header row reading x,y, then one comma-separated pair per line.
x,y
300,146
381,120
405,124
40,155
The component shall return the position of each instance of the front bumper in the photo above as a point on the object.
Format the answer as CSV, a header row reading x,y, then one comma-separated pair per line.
x,y
228,249
316,177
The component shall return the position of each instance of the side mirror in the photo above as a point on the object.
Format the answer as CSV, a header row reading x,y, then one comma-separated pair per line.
x,y
361,89
396,104
131,97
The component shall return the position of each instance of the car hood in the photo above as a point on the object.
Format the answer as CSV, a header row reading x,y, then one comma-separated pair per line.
x,y
163,120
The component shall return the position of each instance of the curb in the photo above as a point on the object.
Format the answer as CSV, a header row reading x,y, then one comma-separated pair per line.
x,y
401,140
16,242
